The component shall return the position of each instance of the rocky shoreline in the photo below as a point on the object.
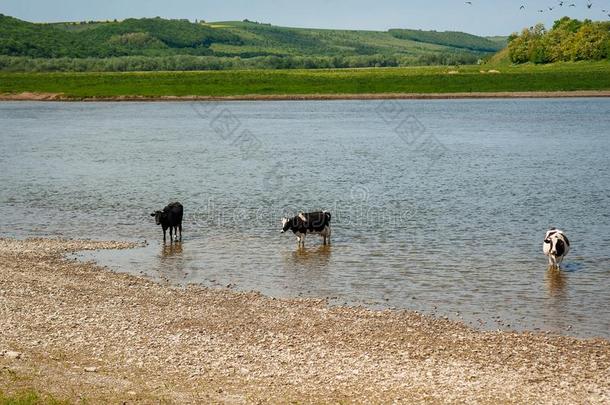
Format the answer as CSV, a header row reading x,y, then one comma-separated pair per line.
x,y
31,96
79,332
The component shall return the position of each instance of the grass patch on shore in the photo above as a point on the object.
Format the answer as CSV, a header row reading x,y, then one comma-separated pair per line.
x,y
429,80
29,397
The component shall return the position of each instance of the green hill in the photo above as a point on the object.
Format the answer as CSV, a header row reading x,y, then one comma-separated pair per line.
x,y
502,41
224,45
147,36
454,39
348,42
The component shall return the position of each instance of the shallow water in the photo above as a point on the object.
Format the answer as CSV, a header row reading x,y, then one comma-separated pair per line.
x,y
438,206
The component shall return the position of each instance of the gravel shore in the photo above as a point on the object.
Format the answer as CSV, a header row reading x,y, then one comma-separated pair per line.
x,y
29,96
77,331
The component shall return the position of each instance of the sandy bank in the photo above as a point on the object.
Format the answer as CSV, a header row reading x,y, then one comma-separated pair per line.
x,y
279,97
84,332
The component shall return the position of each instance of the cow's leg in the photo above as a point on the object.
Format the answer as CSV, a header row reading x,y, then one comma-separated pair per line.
x,y
180,228
326,235
171,236
164,235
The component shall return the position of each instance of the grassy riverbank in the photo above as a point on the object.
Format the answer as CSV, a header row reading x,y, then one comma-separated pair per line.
x,y
421,80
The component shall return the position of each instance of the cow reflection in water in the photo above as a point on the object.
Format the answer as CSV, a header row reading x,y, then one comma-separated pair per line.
x,y
171,250
171,266
556,281
319,256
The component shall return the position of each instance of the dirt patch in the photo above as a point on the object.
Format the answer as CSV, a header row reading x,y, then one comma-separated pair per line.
x,y
75,330
27,96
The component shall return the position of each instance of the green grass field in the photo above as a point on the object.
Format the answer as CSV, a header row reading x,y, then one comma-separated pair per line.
x,y
556,77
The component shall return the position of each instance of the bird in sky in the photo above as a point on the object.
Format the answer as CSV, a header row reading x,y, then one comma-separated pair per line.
x,y
560,3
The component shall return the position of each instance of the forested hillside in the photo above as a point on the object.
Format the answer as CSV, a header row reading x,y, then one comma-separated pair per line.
x,y
449,38
159,44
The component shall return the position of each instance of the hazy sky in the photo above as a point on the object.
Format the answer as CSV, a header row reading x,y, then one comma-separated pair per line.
x,y
485,17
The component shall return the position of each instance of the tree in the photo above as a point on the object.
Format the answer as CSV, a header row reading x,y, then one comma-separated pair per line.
x,y
568,40
567,24
590,43
557,44
520,48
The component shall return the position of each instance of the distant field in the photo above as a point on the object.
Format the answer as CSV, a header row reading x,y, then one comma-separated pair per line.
x,y
558,77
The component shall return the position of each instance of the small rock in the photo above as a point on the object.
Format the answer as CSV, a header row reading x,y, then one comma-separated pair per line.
x,y
12,355
90,369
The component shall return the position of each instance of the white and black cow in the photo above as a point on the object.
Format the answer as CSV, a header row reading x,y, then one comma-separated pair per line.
x,y
304,223
556,245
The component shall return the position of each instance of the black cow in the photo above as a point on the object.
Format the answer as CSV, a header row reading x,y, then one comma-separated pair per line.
x,y
304,223
170,217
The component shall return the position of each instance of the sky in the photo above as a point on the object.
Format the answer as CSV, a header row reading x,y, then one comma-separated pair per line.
x,y
483,17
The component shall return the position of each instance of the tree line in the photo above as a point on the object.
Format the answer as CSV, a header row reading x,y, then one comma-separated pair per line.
x,y
192,62
568,40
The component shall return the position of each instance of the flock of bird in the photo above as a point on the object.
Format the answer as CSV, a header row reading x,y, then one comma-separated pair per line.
x,y
562,3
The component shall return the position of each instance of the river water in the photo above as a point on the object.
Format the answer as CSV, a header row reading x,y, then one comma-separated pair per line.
x,y
438,206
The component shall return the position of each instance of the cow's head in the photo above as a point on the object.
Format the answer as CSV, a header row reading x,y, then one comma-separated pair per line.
x,y
549,234
285,224
557,241
558,246
158,215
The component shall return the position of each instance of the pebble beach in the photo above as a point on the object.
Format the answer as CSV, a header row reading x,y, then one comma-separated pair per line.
x,y
78,332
